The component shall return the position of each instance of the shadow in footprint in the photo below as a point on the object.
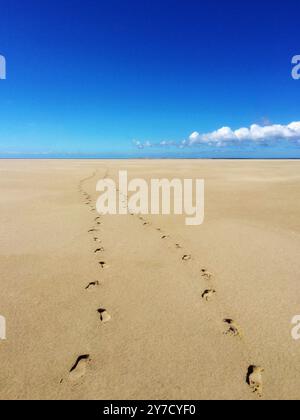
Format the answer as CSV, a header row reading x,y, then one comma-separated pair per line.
x,y
206,274
104,315
186,258
78,370
254,379
99,250
92,285
208,294
233,328
103,264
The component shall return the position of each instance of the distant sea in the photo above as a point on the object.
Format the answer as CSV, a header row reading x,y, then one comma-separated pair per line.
x,y
140,156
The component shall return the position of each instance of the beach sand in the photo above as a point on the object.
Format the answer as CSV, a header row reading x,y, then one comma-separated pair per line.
x,y
139,326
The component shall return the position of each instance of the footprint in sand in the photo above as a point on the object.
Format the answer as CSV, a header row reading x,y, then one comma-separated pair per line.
x,y
92,285
92,230
103,264
206,274
97,240
178,246
104,315
208,294
78,370
233,328
254,379
186,258
99,250
165,237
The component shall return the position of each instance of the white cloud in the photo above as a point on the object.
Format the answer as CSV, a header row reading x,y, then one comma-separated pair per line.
x,y
147,144
256,133
141,145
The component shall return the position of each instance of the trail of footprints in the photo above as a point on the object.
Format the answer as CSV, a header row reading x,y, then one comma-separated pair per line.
x,y
254,374
80,365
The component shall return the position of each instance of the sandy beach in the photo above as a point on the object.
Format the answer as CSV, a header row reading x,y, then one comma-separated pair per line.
x,y
108,307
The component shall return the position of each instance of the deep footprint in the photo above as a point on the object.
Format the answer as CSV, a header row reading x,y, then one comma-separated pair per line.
x,y
78,370
233,328
254,379
208,294
104,315
206,274
186,258
103,264
99,250
92,284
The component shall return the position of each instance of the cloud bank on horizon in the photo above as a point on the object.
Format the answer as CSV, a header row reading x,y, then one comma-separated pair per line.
x,y
225,136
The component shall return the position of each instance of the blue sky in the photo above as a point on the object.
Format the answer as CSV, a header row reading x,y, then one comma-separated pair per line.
x,y
93,77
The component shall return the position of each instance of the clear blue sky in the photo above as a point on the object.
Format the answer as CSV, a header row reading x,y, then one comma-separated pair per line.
x,y
89,77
